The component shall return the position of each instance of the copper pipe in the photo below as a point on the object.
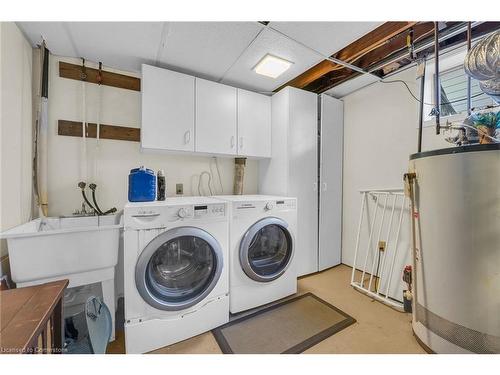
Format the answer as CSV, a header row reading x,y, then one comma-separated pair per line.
x,y
437,108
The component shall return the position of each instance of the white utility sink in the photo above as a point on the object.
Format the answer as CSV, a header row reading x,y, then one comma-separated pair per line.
x,y
83,250
46,249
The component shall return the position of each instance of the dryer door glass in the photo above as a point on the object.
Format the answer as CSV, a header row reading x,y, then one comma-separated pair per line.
x,y
267,249
179,270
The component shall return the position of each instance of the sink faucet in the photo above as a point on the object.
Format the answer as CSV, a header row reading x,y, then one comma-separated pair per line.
x,y
83,211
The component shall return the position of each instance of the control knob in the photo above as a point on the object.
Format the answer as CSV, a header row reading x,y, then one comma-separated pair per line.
x,y
269,206
182,213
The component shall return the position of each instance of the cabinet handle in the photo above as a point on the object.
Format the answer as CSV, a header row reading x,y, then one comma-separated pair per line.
x,y
324,186
187,136
232,141
241,142
315,186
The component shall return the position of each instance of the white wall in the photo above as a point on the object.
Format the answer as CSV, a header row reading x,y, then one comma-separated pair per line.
x,y
15,128
116,158
380,132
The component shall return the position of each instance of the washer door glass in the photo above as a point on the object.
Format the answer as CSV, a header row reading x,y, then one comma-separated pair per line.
x,y
266,250
178,268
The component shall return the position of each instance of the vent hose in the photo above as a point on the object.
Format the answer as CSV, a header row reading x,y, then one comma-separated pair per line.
x,y
239,175
483,64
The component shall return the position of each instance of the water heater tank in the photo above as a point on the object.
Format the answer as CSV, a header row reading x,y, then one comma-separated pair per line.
x,y
457,269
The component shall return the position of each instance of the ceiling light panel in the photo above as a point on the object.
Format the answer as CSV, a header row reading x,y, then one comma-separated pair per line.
x,y
272,66
242,73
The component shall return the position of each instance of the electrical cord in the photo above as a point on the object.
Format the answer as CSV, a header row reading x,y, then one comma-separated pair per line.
x,y
218,173
209,182
431,104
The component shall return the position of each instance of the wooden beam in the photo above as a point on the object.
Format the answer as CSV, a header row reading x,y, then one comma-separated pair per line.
x,y
396,47
372,40
395,44
120,133
73,71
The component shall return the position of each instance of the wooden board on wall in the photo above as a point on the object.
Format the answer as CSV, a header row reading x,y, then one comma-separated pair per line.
x,y
121,133
73,71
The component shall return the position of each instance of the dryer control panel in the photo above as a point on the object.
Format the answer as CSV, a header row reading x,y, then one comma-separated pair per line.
x,y
266,205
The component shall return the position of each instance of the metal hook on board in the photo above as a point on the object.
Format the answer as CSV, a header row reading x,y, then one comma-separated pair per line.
x,y
99,74
83,73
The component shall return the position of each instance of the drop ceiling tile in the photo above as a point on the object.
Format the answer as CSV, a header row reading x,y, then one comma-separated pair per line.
x,y
352,85
325,37
121,45
54,33
242,74
206,49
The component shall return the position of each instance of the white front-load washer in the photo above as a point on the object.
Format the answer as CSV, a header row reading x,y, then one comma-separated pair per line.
x,y
175,270
263,234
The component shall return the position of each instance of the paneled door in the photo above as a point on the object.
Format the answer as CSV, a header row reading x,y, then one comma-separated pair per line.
x,y
167,110
254,124
330,182
215,118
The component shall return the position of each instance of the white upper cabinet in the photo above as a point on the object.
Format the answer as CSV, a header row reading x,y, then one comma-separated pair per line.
x,y
216,118
254,124
184,113
168,110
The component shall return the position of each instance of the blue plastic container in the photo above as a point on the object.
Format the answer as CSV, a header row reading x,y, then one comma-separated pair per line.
x,y
141,185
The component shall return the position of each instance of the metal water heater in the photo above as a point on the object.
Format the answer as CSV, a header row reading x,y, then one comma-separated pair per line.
x,y
456,214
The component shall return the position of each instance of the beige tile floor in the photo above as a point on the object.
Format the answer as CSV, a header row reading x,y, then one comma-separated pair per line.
x,y
379,329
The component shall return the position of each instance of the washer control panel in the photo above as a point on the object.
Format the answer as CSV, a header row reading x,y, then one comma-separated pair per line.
x,y
148,217
210,210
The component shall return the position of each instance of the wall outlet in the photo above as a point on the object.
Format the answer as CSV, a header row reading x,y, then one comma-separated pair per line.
x,y
381,245
179,189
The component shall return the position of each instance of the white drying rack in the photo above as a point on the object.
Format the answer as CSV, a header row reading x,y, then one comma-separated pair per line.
x,y
389,200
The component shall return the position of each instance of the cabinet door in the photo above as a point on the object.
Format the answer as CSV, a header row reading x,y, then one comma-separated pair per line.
x,y
254,124
167,110
330,206
303,175
215,118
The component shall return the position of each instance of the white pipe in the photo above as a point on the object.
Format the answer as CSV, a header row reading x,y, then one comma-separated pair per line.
x,y
98,133
83,171
363,198
381,191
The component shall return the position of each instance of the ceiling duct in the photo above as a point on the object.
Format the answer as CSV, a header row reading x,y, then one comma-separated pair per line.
x,y
483,63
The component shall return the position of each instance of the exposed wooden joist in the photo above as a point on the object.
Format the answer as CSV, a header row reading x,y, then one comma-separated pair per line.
x,y
383,58
73,71
374,55
121,133
395,44
375,38
397,59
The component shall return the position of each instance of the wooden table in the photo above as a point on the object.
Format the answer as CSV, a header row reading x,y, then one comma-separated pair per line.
x,y
30,317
